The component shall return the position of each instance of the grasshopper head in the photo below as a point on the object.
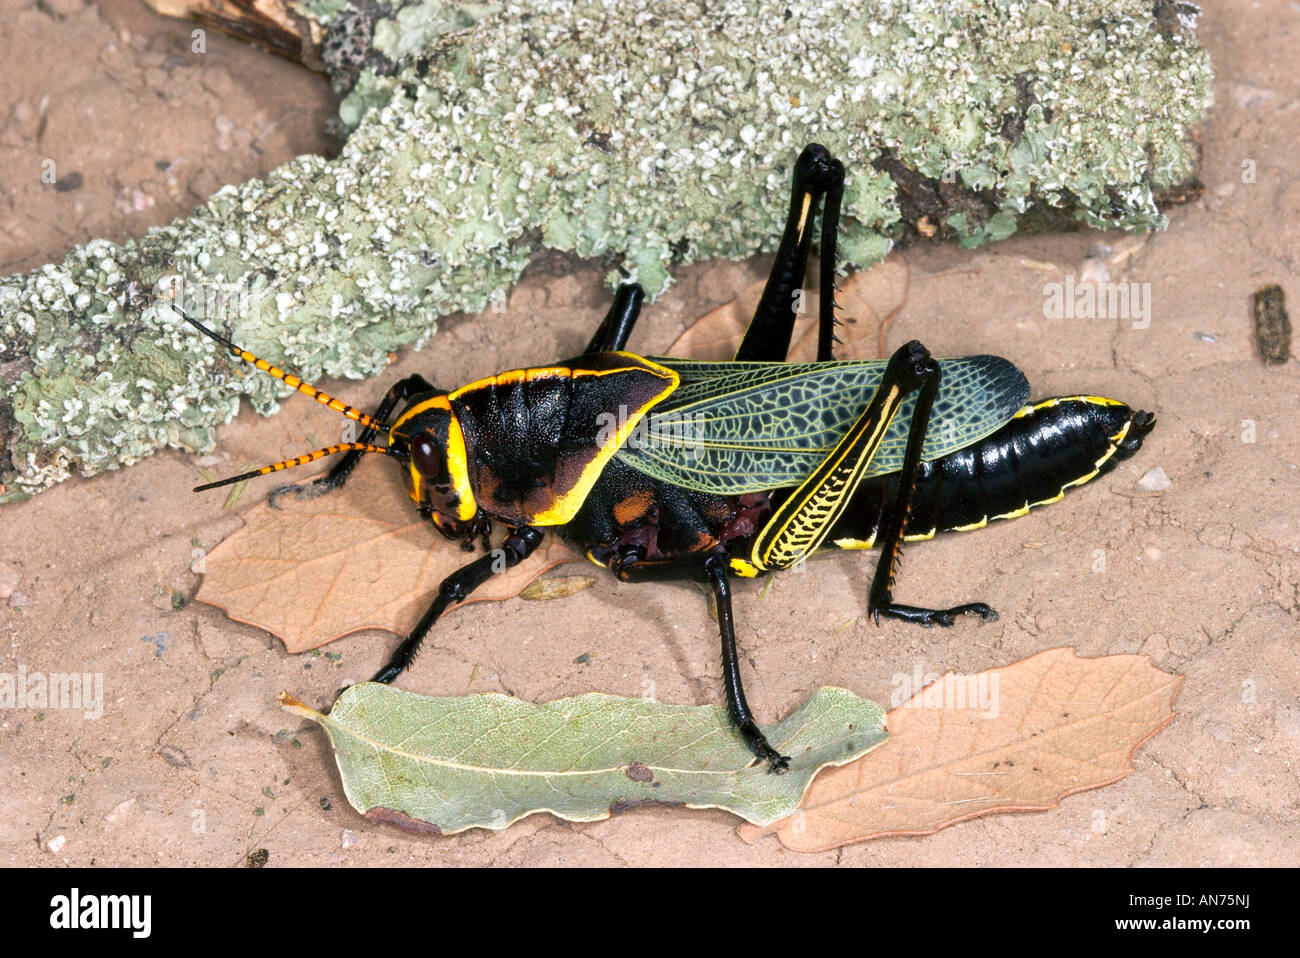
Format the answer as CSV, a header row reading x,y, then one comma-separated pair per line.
x,y
437,469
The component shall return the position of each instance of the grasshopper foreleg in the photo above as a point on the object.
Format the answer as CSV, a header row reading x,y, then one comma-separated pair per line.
x,y
519,545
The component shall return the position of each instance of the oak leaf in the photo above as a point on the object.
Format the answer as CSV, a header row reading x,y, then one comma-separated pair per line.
x,y
361,557
556,587
1048,726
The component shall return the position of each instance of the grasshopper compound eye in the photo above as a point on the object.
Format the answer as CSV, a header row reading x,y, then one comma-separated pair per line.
x,y
428,458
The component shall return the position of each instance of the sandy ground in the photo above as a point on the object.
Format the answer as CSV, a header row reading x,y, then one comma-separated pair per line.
x,y
192,762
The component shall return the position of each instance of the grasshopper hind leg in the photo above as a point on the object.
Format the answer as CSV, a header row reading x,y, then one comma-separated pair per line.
x,y
614,330
880,601
818,179
737,707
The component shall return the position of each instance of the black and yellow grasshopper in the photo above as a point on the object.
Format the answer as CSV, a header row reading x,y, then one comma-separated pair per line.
x,y
663,468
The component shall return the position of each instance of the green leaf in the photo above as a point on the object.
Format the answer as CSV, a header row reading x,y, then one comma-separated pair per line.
x,y
443,765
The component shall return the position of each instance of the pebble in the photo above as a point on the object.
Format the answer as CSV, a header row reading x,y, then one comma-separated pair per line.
x,y
1094,270
1154,481
1251,96
225,126
121,810
8,580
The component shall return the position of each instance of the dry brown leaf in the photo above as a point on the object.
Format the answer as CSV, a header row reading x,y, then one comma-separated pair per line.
x,y
556,587
1060,724
867,298
315,570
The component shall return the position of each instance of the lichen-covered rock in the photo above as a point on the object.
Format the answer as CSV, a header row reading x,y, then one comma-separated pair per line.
x,y
648,132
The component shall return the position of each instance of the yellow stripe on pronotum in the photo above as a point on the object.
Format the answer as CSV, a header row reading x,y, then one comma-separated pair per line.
x,y
567,504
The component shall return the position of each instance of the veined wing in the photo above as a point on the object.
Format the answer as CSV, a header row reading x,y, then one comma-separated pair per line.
x,y
732,428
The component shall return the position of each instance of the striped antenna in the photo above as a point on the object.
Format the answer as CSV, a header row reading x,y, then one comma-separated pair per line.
x,y
295,461
307,389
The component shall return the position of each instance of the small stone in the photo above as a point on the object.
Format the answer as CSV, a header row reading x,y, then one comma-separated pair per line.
x,y
1272,325
1095,271
1154,481
66,184
121,810
349,838
225,126
55,844
9,577
130,200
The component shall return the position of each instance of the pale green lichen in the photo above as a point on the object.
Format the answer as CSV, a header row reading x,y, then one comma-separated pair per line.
x,y
322,11
414,29
647,131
